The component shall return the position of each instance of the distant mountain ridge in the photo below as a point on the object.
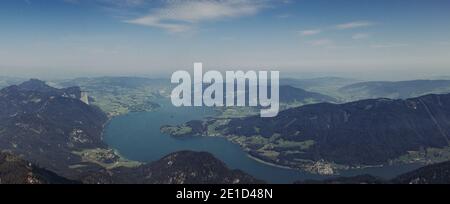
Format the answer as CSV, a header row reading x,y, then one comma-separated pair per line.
x,y
8,81
318,83
290,94
123,82
395,90
324,85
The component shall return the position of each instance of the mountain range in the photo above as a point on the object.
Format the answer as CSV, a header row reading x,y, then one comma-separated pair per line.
x,y
367,132
46,125
394,90
49,134
290,94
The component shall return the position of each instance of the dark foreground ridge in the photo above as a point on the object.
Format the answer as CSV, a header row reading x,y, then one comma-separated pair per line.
x,y
185,167
432,174
14,170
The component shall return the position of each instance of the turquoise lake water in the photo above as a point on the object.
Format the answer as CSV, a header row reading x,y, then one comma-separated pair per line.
x,y
137,136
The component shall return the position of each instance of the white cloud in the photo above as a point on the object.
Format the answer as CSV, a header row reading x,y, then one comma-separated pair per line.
x,y
156,22
354,24
360,36
344,26
309,32
179,16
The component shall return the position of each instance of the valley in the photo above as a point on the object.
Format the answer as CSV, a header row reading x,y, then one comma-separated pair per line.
x,y
224,92
121,95
102,141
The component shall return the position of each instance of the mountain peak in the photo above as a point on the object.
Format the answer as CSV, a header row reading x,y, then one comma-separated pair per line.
x,y
173,167
35,85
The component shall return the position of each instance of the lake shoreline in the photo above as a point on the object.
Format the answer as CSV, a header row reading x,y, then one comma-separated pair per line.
x,y
137,136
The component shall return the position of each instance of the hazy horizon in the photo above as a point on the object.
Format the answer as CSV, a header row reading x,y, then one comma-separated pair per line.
x,y
283,76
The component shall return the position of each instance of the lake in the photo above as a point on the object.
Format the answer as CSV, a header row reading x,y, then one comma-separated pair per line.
x,y
137,136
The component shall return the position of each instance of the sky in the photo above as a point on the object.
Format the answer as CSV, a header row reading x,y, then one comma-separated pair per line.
x,y
362,38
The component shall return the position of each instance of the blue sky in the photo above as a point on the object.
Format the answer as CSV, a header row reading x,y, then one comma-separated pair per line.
x,y
156,37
